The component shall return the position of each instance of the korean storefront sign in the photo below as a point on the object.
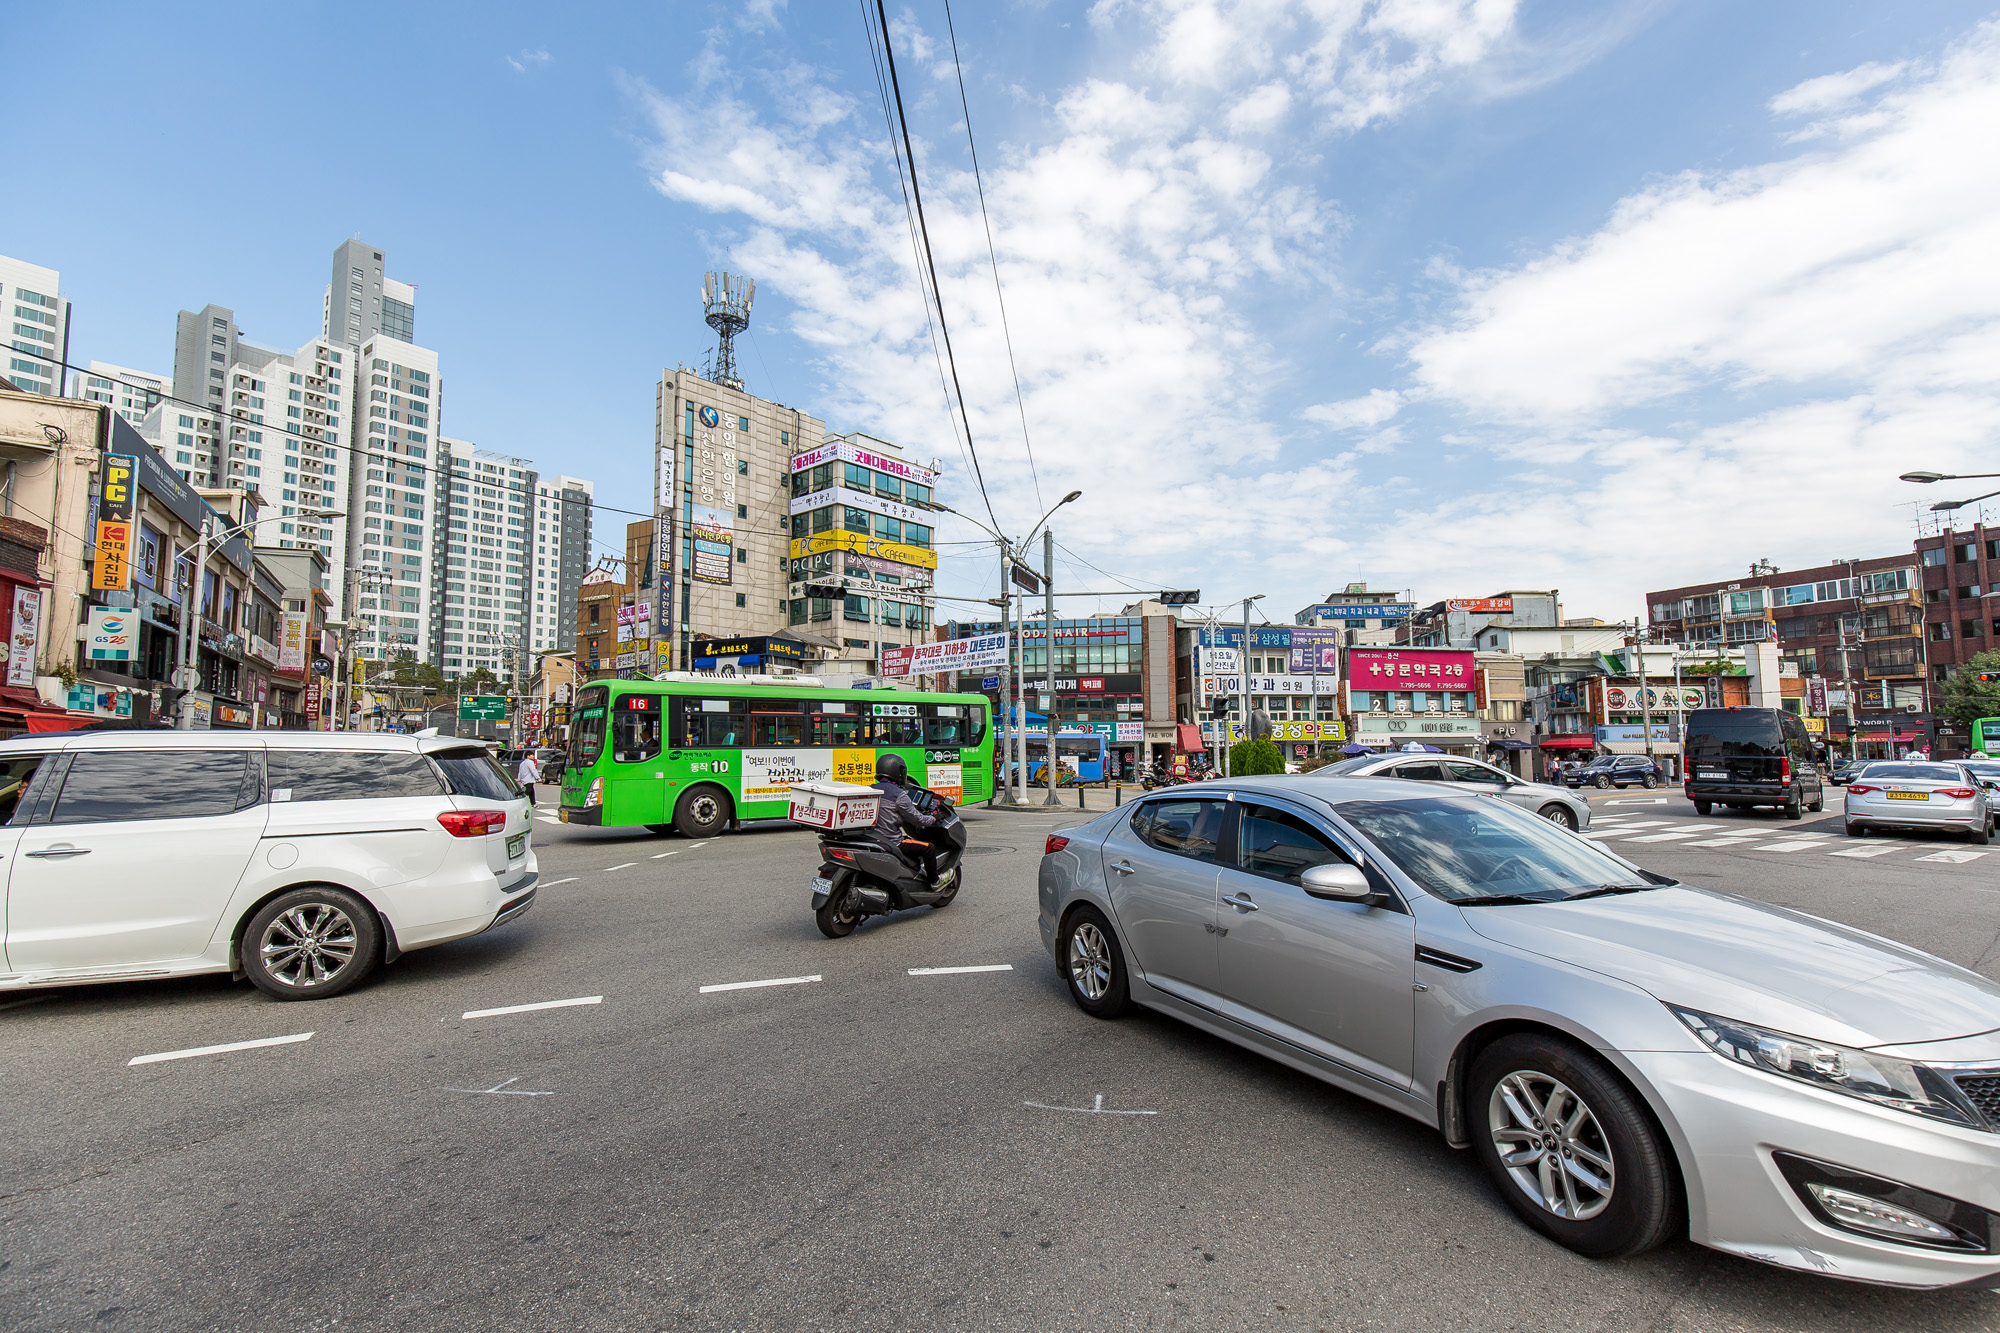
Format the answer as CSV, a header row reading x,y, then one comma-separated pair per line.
x,y
1409,669
111,634
861,544
292,642
114,523
852,453
923,659
26,637
713,524
1482,606
1659,698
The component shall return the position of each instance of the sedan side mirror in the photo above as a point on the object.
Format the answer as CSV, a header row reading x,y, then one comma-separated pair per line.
x,y
1336,880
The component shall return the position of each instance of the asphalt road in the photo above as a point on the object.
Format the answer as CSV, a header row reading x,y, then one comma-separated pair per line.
x,y
868,1150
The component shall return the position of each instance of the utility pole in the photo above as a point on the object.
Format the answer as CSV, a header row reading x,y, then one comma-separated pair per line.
x,y
186,675
1006,678
1645,688
1049,615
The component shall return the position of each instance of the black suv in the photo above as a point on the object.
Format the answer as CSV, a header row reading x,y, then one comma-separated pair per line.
x,y
1749,757
1620,770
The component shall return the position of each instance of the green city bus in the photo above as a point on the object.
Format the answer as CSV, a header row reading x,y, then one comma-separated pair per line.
x,y
692,754
1986,736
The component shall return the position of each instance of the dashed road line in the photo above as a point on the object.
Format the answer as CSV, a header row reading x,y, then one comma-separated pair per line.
x,y
552,883
755,985
193,1051
524,1008
953,971
675,852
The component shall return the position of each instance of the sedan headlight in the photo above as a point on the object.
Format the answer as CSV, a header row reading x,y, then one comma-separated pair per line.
x,y
1881,1079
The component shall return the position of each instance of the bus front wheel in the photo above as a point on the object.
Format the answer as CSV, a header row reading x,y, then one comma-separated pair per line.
x,y
702,812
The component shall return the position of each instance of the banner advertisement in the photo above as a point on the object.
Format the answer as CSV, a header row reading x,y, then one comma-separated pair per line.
x,y
1482,606
114,523
1227,685
112,634
292,642
1316,652
26,638
868,500
663,577
770,775
861,544
666,471
1409,669
1130,731
713,525
1360,612
850,453
925,659
1816,696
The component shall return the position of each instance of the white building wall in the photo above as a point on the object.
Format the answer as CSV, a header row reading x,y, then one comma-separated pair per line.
x,y
37,324
128,392
562,556
396,491
487,552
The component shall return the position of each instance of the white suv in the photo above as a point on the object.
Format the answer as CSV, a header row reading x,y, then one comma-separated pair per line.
x,y
301,860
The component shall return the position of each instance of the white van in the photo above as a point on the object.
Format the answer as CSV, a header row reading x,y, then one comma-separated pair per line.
x,y
299,859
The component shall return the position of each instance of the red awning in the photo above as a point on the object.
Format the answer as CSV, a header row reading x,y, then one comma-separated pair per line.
x,y
1190,737
39,722
36,715
1576,741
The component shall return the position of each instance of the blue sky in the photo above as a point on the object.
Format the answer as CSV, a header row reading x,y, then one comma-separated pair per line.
x,y
1450,295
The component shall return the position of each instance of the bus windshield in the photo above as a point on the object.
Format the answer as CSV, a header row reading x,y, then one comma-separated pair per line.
x,y
586,733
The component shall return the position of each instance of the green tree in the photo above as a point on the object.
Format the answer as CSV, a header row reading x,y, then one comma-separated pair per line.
x,y
1967,698
1248,758
480,681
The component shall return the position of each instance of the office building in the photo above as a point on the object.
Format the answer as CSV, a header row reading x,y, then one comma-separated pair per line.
x,y
864,558
38,326
128,392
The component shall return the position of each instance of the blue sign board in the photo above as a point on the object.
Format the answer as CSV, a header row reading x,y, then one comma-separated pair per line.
x,y
1633,734
990,683
1261,636
1358,612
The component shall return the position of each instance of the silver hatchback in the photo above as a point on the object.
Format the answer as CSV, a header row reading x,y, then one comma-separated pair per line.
x,y
1559,805
1918,794
1631,1059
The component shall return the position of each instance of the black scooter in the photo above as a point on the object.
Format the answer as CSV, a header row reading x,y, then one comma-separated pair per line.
x,y
857,878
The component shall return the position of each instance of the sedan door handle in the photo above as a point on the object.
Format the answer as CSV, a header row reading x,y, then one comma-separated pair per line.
x,y
62,851
1122,867
1241,901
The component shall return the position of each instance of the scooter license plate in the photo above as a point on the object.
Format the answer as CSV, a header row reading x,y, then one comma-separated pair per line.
x,y
821,886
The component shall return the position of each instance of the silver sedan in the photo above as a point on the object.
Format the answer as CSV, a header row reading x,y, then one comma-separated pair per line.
x,y
1556,804
1631,1059
1918,794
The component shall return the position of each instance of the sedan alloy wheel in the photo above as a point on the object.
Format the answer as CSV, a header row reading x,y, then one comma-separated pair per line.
x,y
1089,961
1551,1144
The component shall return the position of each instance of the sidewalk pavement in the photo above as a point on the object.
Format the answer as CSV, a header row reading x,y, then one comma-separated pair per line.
x,y
1096,799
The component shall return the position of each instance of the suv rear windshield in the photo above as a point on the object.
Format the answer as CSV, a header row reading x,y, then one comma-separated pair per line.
x,y
1729,733
472,772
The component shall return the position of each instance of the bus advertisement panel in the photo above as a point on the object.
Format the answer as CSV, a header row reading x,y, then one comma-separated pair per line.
x,y
698,752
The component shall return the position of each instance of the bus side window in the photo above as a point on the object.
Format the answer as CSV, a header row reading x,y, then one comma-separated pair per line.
x,y
713,724
943,723
899,731
842,730
777,723
635,737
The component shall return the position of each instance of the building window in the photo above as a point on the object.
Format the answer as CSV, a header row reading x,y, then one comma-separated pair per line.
x,y
742,599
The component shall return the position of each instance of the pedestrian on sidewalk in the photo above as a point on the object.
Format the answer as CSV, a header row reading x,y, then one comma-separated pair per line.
x,y
527,775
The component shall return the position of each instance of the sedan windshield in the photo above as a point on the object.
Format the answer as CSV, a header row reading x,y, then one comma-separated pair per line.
x,y
1477,852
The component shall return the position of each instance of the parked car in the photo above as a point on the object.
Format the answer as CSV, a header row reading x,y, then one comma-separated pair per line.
x,y
1750,757
1630,1059
300,860
1906,793
1844,773
1615,770
1470,775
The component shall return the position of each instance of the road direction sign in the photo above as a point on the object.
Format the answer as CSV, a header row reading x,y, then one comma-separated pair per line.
x,y
483,708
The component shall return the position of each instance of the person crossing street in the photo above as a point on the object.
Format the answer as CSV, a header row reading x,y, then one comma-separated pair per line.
x,y
527,775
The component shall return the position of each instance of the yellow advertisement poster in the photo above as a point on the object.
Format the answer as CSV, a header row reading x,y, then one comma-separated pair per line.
x,y
854,766
862,544
114,554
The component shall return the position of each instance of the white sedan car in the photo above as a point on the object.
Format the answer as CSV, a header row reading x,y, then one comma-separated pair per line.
x,y
300,860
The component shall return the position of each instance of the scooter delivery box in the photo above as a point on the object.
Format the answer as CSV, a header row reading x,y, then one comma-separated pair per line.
x,y
833,806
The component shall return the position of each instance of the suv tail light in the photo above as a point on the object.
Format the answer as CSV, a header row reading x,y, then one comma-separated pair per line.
x,y
1054,845
1785,769
473,823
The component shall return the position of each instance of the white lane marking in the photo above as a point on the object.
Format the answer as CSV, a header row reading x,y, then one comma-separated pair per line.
x,y
552,883
1736,840
627,866
1625,824
1793,845
1953,857
501,1089
1638,800
753,985
1097,1109
193,1051
1863,853
675,852
950,971
1667,836
524,1008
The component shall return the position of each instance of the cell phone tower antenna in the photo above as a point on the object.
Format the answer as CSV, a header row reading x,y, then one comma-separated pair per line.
x,y
725,304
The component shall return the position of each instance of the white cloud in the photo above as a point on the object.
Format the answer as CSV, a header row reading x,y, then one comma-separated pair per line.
x,y
1817,324
527,60
1830,92
1371,409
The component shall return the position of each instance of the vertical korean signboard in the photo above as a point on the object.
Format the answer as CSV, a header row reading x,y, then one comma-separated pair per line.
x,y
665,509
114,524
292,642
713,519
27,636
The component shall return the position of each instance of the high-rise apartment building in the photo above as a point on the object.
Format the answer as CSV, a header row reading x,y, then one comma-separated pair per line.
x,y
361,302
562,537
396,399
488,549
128,392
38,325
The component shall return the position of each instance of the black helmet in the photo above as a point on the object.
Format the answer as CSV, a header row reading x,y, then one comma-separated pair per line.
x,y
892,768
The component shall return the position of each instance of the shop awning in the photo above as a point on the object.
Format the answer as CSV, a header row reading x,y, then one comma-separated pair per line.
x,y
1188,737
1580,740
1639,747
1510,745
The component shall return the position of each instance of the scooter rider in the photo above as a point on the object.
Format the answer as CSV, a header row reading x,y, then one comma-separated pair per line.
x,y
898,814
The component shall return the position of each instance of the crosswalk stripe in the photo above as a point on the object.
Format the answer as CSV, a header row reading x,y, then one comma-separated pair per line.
x,y
1668,836
1863,853
1953,856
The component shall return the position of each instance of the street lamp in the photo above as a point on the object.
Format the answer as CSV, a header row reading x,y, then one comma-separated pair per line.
x,y
1926,478
1946,506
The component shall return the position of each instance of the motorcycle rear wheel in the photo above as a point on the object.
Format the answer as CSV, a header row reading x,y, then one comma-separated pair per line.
x,y
835,920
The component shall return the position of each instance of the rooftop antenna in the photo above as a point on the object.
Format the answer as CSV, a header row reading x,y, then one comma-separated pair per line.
x,y
725,304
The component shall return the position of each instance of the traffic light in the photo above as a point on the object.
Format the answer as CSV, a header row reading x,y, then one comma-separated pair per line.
x,y
1987,677
170,700
1218,707
1180,597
